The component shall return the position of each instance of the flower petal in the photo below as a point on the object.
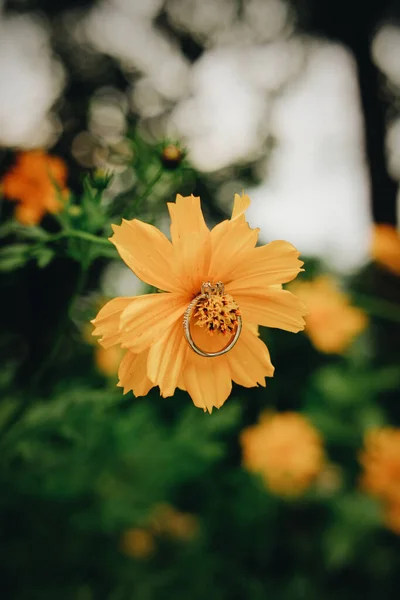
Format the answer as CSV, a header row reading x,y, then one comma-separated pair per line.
x,y
249,360
166,359
191,242
145,320
240,205
108,319
272,308
230,240
132,373
276,262
147,252
207,380
186,217
191,259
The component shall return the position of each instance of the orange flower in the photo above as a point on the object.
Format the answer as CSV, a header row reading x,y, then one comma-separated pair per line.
x,y
332,323
381,477
392,517
385,248
286,450
151,326
32,182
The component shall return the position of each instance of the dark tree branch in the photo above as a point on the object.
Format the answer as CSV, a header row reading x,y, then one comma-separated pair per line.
x,y
354,23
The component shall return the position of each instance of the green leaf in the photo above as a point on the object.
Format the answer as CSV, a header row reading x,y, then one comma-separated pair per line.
x,y
356,518
13,227
32,232
43,255
343,387
14,257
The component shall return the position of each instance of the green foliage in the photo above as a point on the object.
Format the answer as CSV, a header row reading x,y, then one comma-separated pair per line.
x,y
122,462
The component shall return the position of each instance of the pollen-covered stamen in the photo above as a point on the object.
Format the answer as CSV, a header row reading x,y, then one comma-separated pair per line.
x,y
218,313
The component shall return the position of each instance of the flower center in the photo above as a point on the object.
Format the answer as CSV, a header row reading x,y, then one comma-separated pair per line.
x,y
216,311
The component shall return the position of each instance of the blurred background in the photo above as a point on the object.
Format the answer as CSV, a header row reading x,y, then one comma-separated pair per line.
x,y
107,110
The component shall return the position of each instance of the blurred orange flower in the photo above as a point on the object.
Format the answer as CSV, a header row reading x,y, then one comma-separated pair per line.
x,y
381,478
392,516
286,450
32,182
140,542
137,542
243,281
332,322
108,360
171,522
385,247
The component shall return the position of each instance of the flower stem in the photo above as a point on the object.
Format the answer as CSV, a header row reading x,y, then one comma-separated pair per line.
x,y
149,187
83,235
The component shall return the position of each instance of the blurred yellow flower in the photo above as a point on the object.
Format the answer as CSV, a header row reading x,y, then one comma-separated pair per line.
x,y
332,322
140,542
137,542
242,280
32,182
385,247
381,477
171,522
107,360
286,450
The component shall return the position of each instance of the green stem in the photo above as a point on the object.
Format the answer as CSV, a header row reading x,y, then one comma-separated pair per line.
x,y
377,307
149,187
82,235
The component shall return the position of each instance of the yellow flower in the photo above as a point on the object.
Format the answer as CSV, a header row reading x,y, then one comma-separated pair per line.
x,y
150,327
32,183
173,523
381,478
108,360
137,542
381,462
385,247
332,323
286,450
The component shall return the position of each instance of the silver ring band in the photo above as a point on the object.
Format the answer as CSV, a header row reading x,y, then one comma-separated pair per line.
x,y
186,329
